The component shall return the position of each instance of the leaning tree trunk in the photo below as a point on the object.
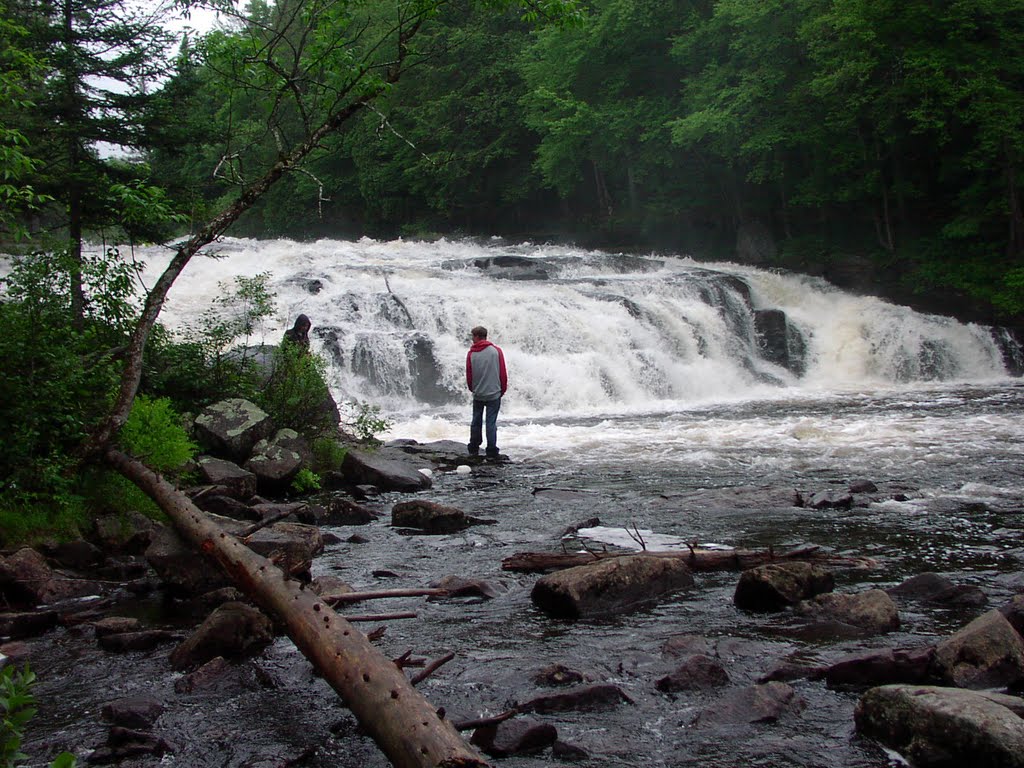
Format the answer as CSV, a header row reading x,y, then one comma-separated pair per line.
x,y
406,727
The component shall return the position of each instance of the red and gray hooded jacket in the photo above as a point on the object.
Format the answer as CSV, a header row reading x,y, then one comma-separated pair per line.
x,y
485,371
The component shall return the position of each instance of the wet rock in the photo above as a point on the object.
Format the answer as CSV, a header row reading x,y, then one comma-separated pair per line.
x,y
205,604
78,555
228,478
517,736
329,587
787,671
225,506
601,696
276,462
681,646
764,703
987,653
26,579
938,590
882,667
229,429
827,631
557,675
14,653
873,610
126,534
184,571
565,751
116,625
936,727
22,624
207,675
341,511
282,511
145,640
862,486
776,586
1014,613
388,471
355,538
829,500
125,743
133,712
235,630
695,673
460,587
429,517
609,585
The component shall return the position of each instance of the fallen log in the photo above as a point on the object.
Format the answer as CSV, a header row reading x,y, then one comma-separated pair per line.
x,y
697,559
405,726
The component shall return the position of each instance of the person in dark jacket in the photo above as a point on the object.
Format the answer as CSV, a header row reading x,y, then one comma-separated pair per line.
x,y
487,380
299,333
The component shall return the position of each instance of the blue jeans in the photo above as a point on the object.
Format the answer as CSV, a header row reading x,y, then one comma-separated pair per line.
x,y
476,427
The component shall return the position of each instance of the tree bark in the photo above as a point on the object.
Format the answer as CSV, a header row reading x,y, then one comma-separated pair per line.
x,y
406,727
697,559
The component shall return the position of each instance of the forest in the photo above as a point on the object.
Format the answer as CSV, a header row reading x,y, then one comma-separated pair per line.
x,y
875,139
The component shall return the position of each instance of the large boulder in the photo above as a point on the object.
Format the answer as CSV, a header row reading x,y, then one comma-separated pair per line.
x,y
609,585
276,462
986,653
235,630
430,517
228,478
776,586
387,470
231,428
27,579
882,667
185,571
936,727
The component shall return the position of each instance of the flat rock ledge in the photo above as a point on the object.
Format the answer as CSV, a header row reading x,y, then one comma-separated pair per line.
x,y
935,727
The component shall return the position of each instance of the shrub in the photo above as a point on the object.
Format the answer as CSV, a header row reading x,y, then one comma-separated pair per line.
x,y
306,481
154,433
296,394
328,454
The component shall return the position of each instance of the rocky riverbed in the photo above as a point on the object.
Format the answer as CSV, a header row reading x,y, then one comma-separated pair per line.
x,y
686,678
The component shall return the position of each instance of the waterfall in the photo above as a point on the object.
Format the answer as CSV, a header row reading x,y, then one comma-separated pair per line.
x,y
583,331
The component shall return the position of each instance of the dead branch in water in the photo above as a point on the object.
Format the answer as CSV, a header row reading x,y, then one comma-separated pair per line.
x,y
697,559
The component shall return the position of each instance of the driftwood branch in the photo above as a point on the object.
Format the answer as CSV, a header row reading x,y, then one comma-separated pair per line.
x,y
697,559
367,617
400,720
356,597
431,668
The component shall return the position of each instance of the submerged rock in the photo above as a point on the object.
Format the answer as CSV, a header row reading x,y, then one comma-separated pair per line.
x,y
695,673
601,696
873,610
609,585
765,703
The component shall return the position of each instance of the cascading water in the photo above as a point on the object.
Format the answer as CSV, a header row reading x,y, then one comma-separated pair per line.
x,y
584,332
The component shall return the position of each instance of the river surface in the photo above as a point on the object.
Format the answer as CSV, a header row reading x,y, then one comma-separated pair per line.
x,y
639,395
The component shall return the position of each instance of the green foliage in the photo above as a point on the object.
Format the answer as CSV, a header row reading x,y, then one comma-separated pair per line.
x,y
17,708
205,366
295,393
365,420
155,434
328,454
56,379
306,481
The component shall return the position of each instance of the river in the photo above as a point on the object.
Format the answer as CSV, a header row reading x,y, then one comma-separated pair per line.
x,y
642,393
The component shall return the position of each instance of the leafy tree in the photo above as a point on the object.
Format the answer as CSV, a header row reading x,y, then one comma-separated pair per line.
x,y
102,56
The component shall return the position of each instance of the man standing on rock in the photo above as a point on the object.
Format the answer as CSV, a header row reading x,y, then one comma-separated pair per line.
x,y
487,380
